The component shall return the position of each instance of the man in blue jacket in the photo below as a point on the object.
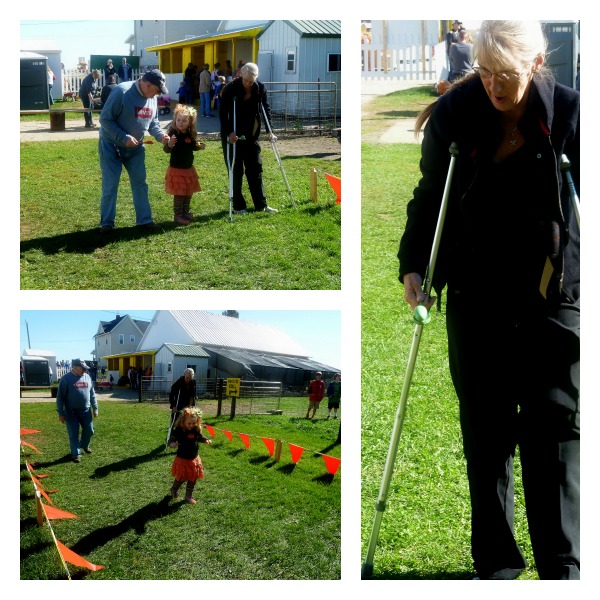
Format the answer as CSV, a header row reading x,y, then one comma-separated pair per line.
x,y
129,112
75,404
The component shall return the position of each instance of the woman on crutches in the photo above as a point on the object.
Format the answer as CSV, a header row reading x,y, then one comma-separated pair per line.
x,y
510,259
183,392
240,115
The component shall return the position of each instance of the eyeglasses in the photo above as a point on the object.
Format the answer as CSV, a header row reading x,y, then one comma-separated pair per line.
x,y
503,76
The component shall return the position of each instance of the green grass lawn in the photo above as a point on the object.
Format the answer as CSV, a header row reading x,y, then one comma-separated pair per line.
x,y
255,518
62,249
425,531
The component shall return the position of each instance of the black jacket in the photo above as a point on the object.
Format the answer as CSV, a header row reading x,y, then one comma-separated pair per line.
x,y
183,394
248,119
466,116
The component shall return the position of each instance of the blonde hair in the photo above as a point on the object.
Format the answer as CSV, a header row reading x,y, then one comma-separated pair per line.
x,y
189,111
191,412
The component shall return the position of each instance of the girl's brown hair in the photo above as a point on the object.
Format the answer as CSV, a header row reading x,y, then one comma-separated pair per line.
x,y
193,412
190,111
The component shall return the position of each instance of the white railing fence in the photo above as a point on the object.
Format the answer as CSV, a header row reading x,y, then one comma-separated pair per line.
x,y
412,63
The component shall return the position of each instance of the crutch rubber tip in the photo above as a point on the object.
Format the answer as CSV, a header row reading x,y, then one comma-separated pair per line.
x,y
367,571
421,315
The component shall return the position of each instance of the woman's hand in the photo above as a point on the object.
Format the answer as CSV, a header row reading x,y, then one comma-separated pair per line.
x,y
413,291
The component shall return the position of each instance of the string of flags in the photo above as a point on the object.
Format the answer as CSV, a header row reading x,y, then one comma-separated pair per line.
x,y
274,447
49,512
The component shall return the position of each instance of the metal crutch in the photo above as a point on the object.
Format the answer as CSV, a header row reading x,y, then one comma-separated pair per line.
x,y
277,157
230,163
421,317
565,166
173,415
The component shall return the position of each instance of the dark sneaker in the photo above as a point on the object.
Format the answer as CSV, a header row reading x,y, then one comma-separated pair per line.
x,y
76,459
106,229
148,226
87,450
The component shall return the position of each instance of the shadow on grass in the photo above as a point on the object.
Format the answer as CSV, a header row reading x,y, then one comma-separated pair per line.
x,y
35,549
315,155
399,114
136,521
59,461
417,575
128,463
287,469
326,478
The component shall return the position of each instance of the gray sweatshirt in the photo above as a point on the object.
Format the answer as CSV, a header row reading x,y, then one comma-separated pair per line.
x,y
75,392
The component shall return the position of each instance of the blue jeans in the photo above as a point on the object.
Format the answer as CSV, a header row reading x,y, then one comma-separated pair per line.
x,y
112,160
74,419
205,103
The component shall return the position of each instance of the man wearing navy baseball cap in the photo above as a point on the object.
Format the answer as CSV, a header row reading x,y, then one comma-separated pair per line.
x,y
76,406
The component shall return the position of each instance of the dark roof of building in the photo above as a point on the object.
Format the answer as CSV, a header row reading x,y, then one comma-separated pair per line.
x,y
311,28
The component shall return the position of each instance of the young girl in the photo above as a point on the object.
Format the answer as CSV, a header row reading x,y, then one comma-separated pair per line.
x,y
185,436
181,180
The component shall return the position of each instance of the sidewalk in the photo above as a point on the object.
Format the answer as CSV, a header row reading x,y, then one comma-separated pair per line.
x,y
117,394
402,132
39,131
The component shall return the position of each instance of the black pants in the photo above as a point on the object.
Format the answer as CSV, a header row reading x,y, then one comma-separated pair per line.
x,y
248,159
87,115
518,384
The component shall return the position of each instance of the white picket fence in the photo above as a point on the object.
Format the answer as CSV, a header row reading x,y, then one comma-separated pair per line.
x,y
71,80
410,63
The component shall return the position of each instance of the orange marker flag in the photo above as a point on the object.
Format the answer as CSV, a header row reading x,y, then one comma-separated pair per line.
x,y
75,559
210,430
43,493
24,431
228,434
336,184
296,453
30,445
333,464
270,444
245,438
55,513
30,469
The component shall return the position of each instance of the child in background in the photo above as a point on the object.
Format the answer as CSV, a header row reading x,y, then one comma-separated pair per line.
x,y
334,393
181,180
182,92
219,83
187,467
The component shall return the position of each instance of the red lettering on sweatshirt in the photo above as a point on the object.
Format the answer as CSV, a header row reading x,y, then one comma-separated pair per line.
x,y
81,385
143,112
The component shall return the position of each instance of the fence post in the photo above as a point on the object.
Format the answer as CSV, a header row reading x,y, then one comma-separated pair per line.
x,y
313,185
232,414
220,398
277,454
39,514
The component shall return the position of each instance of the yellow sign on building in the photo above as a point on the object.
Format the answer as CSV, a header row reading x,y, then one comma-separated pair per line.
x,y
233,387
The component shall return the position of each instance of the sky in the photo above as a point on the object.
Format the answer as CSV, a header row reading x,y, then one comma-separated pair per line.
x,y
69,333
81,38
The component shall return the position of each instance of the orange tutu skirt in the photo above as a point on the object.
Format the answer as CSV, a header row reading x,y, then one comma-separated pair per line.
x,y
185,469
182,182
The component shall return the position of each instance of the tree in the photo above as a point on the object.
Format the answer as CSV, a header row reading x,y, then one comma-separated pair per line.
x,y
231,313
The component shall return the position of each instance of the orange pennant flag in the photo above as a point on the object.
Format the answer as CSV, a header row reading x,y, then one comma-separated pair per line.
x,y
55,513
245,438
333,464
336,184
210,430
38,482
30,469
30,445
270,444
75,559
296,453
43,493
228,434
24,431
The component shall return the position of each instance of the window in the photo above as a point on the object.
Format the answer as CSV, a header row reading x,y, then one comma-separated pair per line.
x,y
121,339
290,60
169,367
334,63
132,339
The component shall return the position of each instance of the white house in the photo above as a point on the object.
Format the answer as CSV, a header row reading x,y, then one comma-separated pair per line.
x,y
172,360
119,336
